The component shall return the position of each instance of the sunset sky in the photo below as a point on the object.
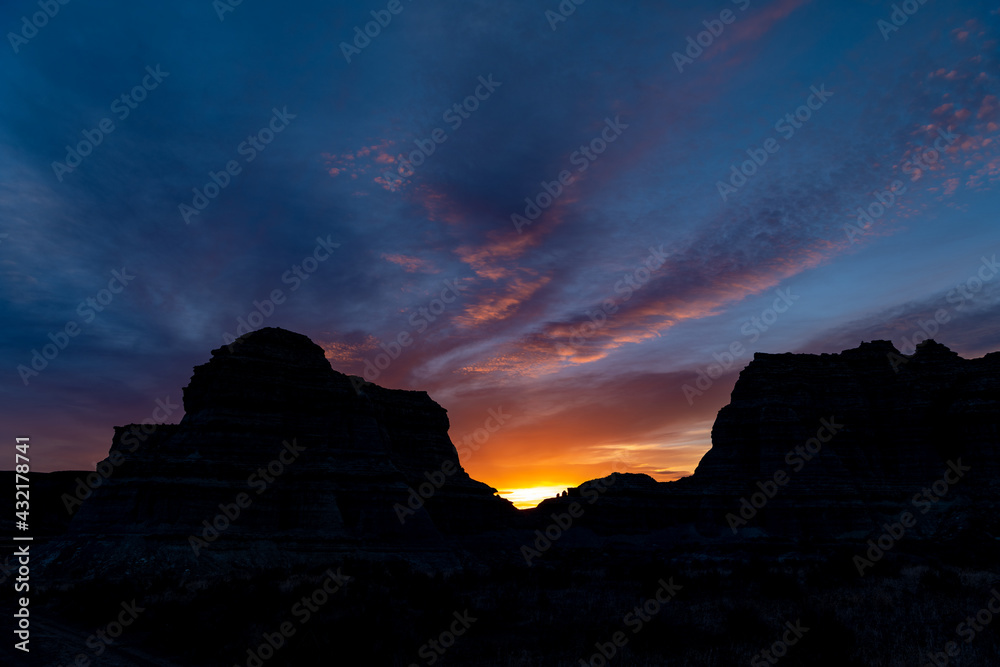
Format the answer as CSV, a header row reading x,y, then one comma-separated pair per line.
x,y
554,210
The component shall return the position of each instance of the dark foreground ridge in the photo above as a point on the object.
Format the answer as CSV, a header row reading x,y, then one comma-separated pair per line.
x,y
828,446
826,473
279,459
811,446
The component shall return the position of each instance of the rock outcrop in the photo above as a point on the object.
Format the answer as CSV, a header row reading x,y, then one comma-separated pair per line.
x,y
311,459
279,459
832,445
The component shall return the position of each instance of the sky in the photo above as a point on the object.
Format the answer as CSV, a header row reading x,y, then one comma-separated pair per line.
x,y
571,224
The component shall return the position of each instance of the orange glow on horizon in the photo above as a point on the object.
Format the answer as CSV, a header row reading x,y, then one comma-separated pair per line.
x,y
529,497
532,462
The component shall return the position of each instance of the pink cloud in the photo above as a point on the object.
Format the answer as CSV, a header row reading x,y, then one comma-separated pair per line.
x,y
411,264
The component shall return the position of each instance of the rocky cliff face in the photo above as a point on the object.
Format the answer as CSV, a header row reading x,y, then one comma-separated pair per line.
x,y
837,443
313,460
902,417
281,460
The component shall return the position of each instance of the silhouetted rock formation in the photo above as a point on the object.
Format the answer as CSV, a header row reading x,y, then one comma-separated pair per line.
x,y
828,446
881,426
327,462
902,417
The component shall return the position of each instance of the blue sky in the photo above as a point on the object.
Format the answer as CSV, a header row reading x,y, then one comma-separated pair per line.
x,y
602,84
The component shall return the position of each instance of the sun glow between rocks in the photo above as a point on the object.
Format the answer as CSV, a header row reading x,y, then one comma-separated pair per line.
x,y
529,497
